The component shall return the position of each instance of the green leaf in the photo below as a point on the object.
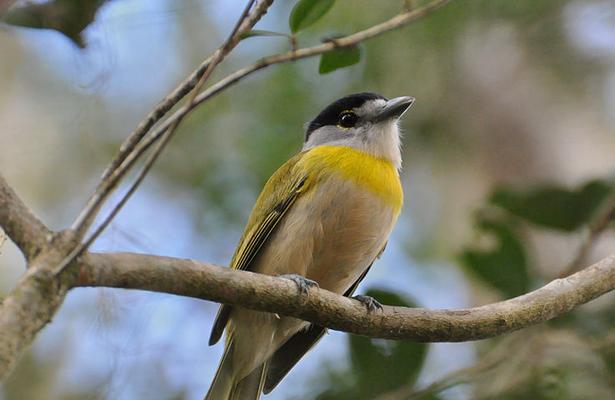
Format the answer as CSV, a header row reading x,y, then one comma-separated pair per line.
x,y
554,206
383,365
504,267
260,32
339,58
308,12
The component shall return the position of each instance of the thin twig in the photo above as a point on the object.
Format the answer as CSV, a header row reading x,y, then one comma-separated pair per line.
x,y
37,297
107,184
488,361
216,58
596,228
347,41
144,144
351,40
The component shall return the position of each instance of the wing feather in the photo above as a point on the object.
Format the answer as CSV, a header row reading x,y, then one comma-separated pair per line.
x,y
277,197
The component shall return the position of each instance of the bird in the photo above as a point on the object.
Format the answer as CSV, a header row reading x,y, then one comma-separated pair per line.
x,y
321,220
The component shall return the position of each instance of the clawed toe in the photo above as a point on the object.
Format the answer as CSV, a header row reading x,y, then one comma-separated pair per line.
x,y
369,302
303,284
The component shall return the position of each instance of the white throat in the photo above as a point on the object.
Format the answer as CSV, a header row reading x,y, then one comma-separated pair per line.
x,y
383,140
380,140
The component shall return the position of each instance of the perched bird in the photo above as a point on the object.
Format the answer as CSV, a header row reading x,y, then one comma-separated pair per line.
x,y
321,220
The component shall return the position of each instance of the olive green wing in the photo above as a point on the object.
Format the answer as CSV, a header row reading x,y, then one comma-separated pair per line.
x,y
277,197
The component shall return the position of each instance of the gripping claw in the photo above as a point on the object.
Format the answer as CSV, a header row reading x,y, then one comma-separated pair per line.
x,y
369,302
303,283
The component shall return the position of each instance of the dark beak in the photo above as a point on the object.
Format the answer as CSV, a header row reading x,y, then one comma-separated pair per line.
x,y
394,108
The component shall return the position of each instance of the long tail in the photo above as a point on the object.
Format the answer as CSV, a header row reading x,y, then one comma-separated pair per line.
x,y
223,383
226,387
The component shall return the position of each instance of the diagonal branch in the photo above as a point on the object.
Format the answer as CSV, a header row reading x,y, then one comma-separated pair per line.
x,y
40,292
267,293
185,87
110,177
394,23
601,221
24,229
243,23
34,301
126,159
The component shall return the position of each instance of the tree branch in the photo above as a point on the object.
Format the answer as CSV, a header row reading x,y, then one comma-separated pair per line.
x,y
24,229
267,293
396,22
108,184
40,292
36,298
33,302
180,91
139,141
597,226
114,173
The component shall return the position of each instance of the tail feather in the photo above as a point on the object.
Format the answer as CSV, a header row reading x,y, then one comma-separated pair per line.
x,y
226,387
224,382
250,387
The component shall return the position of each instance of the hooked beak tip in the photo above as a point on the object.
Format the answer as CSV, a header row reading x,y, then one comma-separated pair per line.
x,y
395,108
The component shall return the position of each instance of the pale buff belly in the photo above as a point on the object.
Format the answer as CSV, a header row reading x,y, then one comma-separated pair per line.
x,y
330,235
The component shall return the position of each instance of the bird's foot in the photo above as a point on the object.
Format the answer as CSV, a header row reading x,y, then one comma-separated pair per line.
x,y
303,283
369,302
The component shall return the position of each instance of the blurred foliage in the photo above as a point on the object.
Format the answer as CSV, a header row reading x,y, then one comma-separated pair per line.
x,y
464,64
439,124
68,17
554,206
377,366
545,365
381,365
564,363
505,267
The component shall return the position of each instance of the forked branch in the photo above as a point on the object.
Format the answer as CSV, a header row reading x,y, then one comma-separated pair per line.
x,y
34,301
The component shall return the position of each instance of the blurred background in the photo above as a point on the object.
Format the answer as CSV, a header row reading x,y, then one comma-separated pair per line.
x,y
509,152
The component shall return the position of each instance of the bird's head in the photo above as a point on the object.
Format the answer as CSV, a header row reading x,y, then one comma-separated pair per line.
x,y
366,121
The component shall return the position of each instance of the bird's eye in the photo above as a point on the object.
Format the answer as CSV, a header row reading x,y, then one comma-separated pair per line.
x,y
348,119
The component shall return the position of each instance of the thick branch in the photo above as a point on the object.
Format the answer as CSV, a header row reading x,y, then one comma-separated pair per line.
x,y
266,293
24,229
33,302
38,295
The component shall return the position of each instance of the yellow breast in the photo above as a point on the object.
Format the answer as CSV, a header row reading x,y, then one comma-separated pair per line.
x,y
375,174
